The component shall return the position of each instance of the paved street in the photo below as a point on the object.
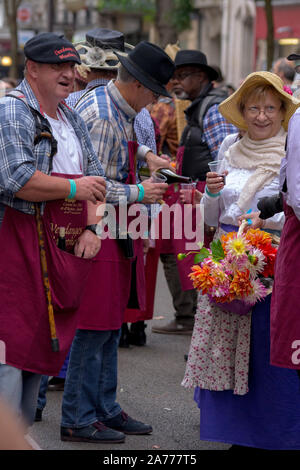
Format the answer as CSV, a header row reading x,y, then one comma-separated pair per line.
x,y
149,389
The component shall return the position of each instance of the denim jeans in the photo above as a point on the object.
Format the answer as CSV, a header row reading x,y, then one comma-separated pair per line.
x,y
42,398
91,383
20,389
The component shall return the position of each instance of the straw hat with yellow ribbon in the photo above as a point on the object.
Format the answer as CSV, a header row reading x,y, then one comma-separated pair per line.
x,y
230,107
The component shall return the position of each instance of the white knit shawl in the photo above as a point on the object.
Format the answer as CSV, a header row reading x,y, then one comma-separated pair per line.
x,y
262,156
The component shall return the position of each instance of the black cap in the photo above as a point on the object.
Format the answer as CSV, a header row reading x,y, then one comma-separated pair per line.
x,y
49,48
293,57
150,65
106,39
197,58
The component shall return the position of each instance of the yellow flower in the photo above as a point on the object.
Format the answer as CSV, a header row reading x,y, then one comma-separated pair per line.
x,y
237,246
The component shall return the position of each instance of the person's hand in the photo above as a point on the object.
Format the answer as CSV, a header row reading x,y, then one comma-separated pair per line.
x,y
153,191
255,219
155,163
90,188
87,245
197,196
215,182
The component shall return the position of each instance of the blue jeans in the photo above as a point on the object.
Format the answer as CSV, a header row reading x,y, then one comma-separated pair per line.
x,y
91,383
42,398
20,389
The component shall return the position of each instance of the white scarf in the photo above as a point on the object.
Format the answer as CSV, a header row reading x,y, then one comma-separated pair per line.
x,y
262,156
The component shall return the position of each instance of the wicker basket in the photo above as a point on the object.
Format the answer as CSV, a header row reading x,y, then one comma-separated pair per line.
x,y
180,106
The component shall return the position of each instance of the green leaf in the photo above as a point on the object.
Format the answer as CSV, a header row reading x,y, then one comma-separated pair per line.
x,y
199,257
217,250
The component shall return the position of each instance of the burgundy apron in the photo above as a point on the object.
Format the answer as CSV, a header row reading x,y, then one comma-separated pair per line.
x,y
285,317
107,294
178,245
24,324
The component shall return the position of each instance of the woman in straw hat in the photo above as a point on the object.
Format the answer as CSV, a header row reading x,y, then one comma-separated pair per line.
x,y
243,399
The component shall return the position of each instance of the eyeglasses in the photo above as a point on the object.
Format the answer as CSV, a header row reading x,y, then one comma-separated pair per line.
x,y
268,111
183,75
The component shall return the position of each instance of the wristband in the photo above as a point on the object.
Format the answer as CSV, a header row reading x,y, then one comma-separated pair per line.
x,y
141,192
72,189
92,228
211,194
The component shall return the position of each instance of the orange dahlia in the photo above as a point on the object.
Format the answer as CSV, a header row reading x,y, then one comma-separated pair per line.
x,y
241,284
258,238
202,278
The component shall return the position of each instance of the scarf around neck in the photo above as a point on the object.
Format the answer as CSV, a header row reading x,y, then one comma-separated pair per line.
x,y
262,156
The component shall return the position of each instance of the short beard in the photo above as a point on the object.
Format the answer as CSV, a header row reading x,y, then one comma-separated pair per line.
x,y
181,95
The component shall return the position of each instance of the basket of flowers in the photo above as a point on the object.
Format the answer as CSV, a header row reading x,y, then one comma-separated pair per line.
x,y
232,271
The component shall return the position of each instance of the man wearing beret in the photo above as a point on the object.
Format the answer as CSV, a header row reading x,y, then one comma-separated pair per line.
x,y
46,171
89,400
200,141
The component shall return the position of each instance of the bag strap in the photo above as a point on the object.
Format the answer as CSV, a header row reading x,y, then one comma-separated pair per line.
x,y
42,127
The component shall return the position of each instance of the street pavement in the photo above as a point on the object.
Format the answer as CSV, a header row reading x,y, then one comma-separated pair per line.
x,y
149,390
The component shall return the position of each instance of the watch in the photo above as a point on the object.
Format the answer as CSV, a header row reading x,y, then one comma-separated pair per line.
x,y
92,228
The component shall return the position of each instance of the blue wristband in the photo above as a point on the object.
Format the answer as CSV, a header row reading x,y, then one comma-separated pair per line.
x,y
211,194
141,192
72,189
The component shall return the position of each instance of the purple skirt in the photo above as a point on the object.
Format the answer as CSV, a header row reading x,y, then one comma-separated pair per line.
x,y
268,416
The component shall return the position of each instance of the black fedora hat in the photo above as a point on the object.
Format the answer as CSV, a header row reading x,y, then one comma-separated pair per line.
x,y
150,65
197,58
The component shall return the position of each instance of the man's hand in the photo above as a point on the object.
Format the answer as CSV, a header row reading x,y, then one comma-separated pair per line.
x,y
155,163
90,188
153,191
87,245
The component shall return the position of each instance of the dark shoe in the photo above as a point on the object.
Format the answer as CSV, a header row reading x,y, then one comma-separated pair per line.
x,y
137,335
123,422
186,356
124,338
38,415
174,328
56,384
96,432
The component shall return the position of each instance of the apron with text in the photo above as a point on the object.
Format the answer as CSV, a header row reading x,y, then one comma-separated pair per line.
x,y
285,317
107,295
24,324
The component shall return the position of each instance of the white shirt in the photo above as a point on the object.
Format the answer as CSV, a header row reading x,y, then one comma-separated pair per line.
x,y
68,159
224,209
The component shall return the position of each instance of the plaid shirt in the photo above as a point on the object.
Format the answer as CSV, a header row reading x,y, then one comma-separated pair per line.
x,y
20,158
110,121
143,124
215,129
73,98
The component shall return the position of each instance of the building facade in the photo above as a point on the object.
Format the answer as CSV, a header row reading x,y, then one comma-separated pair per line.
x,y
225,31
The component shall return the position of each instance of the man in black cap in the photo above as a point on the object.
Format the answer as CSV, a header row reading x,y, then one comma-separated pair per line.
x,y
91,383
30,154
200,141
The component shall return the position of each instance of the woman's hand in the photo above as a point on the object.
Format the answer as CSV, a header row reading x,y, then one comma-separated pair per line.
x,y
257,222
197,196
215,182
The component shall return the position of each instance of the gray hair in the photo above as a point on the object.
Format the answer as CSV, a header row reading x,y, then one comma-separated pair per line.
x,y
124,76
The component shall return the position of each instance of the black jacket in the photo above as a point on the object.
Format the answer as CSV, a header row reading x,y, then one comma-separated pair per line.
x,y
196,152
